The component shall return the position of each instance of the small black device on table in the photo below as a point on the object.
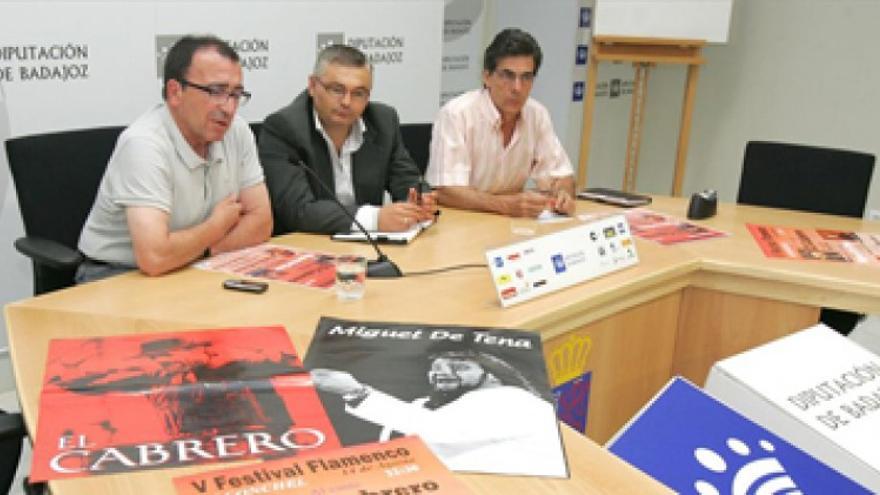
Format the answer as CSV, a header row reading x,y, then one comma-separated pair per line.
x,y
614,197
252,286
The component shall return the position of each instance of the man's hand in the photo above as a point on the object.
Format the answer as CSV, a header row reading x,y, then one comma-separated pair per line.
x,y
564,203
427,201
226,213
527,204
253,224
335,382
398,217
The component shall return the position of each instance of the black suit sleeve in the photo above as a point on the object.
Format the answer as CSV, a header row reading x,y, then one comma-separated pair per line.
x,y
297,204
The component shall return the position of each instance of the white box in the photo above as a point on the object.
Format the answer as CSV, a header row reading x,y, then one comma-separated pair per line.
x,y
814,388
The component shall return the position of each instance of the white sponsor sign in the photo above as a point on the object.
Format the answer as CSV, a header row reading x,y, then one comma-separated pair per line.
x,y
541,265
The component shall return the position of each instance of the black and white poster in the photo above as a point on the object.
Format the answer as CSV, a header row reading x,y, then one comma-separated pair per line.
x,y
479,397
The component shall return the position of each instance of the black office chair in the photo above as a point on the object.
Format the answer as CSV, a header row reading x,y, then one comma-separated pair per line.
x,y
417,139
12,433
56,178
808,178
805,178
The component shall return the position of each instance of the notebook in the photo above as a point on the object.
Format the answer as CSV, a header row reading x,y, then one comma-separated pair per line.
x,y
404,237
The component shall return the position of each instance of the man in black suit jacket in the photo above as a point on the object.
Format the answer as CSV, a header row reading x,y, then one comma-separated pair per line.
x,y
352,144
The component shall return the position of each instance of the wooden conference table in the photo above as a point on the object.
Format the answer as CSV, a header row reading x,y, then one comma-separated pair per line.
x,y
675,313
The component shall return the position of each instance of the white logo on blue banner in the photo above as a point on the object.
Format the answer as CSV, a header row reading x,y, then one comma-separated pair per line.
x,y
580,56
585,17
578,91
692,443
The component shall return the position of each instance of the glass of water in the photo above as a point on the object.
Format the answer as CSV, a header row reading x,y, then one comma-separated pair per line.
x,y
351,277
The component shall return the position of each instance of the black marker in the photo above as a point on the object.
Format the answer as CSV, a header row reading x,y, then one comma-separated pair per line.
x,y
424,187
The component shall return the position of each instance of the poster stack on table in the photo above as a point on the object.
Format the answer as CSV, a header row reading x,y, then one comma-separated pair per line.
x,y
667,230
817,244
815,388
436,397
276,262
400,466
693,443
478,397
119,404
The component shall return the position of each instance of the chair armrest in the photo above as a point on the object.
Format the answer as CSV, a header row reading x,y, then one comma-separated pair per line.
x,y
11,426
49,253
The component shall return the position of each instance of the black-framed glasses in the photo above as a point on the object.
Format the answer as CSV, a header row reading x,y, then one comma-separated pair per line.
x,y
509,77
339,91
220,93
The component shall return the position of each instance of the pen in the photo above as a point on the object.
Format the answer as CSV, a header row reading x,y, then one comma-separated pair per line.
x,y
421,187
424,187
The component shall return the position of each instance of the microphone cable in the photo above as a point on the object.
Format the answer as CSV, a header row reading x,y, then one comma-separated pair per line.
x,y
446,269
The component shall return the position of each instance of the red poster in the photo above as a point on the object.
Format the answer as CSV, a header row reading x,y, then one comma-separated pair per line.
x,y
118,404
274,262
817,244
666,230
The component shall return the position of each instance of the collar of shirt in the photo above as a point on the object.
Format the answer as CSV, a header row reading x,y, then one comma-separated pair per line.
x,y
487,107
187,154
491,113
355,136
342,178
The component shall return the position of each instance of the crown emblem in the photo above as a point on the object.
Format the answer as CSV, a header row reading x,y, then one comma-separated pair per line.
x,y
569,360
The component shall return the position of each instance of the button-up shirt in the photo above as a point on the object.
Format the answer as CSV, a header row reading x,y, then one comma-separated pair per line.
x,y
367,215
467,148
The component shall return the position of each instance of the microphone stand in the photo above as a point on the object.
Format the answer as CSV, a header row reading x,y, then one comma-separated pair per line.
x,y
382,266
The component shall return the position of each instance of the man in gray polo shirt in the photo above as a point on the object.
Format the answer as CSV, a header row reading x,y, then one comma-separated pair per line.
x,y
184,179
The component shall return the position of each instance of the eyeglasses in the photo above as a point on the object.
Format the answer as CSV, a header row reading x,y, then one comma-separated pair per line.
x,y
509,77
339,91
219,93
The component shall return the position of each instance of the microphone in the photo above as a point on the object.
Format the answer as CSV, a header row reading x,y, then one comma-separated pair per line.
x,y
382,266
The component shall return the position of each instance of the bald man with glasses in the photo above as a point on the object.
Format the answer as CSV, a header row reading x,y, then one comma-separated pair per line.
x,y
488,144
351,143
184,179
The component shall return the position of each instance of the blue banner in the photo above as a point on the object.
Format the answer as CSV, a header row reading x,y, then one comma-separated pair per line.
x,y
572,401
694,444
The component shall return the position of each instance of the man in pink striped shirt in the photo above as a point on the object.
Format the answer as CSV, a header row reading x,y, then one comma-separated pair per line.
x,y
489,144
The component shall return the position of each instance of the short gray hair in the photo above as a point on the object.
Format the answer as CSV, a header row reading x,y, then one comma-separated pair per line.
x,y
344,55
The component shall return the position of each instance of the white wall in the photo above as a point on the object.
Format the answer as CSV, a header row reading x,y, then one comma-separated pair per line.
x,y
464,30
794,70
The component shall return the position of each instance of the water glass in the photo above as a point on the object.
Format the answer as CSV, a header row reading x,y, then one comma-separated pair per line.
x,y
351,277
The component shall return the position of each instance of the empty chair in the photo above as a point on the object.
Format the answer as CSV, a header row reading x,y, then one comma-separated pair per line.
x,y
808,178
417,140
56,178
